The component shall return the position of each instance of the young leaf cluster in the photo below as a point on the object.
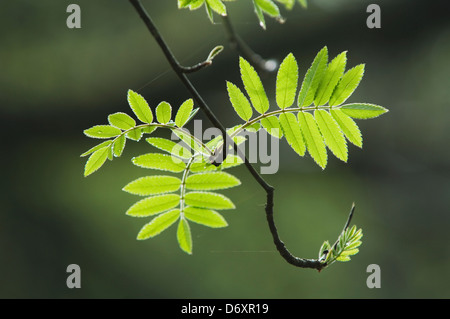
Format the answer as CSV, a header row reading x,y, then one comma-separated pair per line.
x,y
346,245
180,199
320,119
262,8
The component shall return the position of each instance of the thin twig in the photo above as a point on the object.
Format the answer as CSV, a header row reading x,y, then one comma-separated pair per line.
x,y
299,262
247,53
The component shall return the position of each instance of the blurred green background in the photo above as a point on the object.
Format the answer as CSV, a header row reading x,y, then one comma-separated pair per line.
x,y
55,82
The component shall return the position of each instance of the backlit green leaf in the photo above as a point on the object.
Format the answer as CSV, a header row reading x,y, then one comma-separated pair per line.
x,y
205,217
151,185
97,147
291,130
96,160
159,224
184,236
272,125
260,15
121,120
119,145
163,112
154,205
160,161
362,110
217,6
240,103
135,134
287,79
211,181
169,146
334,138
348,126
208,200
184,112
347,85
268,7
312,78
102,131
253,86
313,138
140,107
331,77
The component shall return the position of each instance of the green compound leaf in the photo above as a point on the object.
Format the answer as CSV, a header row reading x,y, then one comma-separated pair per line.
x,y
312,78
229,162
240,103
272,125
102,131
190,141
184,113
153,205
140,107
152,185
205,217
160,161
96,160
159,224
119,145
347,85
291,130
345,246
211,181
348,127
170,147
121,120
163,112
314,140
208,200
253,86
334,138
287,79
97,147
217,6
363,110
135,134
331,77
184,236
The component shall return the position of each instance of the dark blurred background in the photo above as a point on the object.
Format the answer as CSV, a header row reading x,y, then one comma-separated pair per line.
x,y
55,82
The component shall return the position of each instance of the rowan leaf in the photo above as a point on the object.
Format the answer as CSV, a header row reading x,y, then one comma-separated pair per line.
x,y
362,110
169,146
184,236
96,160
140,107
153,205
287,79
240,103
314,140
121,120
253,86
347,85
331,77
102,131
272,125
312,78
208,200
160,161
159,224
119,145
205,217
152,185
291,130
163,112
97,147
211,181
184,112
332,134
348,127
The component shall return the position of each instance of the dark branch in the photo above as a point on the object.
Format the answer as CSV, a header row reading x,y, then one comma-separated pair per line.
x,y
247,53
299,262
